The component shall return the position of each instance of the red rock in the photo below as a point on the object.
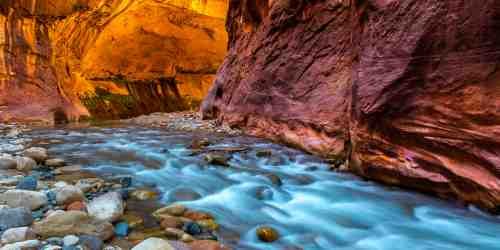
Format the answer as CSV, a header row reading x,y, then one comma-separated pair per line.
x,y
408,91
207,245
77,206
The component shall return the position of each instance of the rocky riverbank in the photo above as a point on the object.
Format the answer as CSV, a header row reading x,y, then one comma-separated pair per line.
x,y
46,203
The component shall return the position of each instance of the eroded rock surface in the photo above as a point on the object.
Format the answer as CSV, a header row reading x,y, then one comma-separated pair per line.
x,y
107,58
407,91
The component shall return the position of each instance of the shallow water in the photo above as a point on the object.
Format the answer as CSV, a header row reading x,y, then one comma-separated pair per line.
x,y
313,209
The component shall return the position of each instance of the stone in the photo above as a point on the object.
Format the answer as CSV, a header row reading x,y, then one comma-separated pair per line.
x,y
154,244
132,220
36,153
23,245
174,233
73,222
183,194
144,195
15,217
172,210
55,163
121,229
51,247
77,206
108,207
24,198
18,234
192,228
218,159
209,224
207,245
275,179
88,184
28,183
7,162
25,164
68,194
197,215
264,153
171,222
68,169
187,238
90,242
70,240
267,234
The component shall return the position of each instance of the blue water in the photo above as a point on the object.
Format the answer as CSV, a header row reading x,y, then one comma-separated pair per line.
x,y
314,208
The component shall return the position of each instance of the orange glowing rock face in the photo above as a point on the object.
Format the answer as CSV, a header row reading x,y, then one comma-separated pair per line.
x,y
162,55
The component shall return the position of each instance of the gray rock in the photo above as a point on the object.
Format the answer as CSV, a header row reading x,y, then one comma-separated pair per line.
x,y
15,217
90,242
18,234
108,207
24,198
36,153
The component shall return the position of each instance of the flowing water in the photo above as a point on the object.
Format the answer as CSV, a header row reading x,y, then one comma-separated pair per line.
x,y
314,208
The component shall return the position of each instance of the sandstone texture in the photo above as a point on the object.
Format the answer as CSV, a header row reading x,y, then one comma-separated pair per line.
x,y
61,60
408,92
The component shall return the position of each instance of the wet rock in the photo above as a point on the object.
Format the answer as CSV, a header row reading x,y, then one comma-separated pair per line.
x,y
187,238
68,169
197,215
90,242
88,184
36,153
7,162
77,206
18,234
263,153
55,163
121,229
144,194
51,247
70,240
172,210
73,222
107,207
219,159
192,228
25,164
183,194
132,220
138,236
174,233
207,245
126,181
275,179
209,224
24,198
68,194
55,241
154,244
267,234
28,183
15,217
171,222
24,245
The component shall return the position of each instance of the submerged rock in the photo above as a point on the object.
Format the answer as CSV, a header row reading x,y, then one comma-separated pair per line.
x,y
68,194
267,234
24,198
219,159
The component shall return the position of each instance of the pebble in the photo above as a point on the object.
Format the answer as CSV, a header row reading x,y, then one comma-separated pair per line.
x,y
121,229
55,163
171,222
207,245
24,198
267,234
36,153
217,159
77,206
154,244
108,207
29,244
144,194
25,164
7,162
18,234
197,215
192,228
68,194
90,242
172,210
28,183
14,217
70,240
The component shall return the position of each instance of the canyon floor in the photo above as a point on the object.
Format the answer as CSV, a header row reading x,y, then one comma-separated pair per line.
x,y
173,181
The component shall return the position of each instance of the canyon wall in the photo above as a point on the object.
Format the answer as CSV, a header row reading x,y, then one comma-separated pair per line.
x,y
406,92
107,58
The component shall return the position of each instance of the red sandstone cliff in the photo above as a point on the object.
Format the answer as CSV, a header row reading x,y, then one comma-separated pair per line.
x,y
407,91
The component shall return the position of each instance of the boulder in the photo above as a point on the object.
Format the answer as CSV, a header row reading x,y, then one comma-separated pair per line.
x,y
107,207
73,222
24,198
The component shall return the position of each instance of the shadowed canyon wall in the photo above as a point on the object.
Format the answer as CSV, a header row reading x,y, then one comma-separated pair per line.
x,y
407,92
107,58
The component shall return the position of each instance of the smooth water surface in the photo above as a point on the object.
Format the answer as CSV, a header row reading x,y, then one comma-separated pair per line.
x,y
314,208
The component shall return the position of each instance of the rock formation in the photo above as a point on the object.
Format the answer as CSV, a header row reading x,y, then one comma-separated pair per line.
x,y
408,92
107,58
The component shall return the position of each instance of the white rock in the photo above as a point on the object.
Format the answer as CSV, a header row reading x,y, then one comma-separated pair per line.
x,y
68,194
29,244
70,240
154,244
108,207
25,163
36,153
24,198
18,234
